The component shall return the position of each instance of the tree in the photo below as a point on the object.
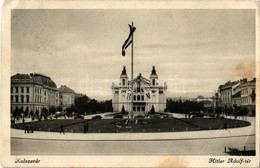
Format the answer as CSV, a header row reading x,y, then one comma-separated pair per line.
x,y
152,111
31,113
219,110
81,104
37,115
123,109
26,112
16,113
59,108
243,111
45,113
70,109
21,111
52,109
184,107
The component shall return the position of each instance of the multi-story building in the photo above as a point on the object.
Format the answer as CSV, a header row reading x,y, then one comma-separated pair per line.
x,y
226,92
248,95
33,92
236,96
147,93
67,96
239,93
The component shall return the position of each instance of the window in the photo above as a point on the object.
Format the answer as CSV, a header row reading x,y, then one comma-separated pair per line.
x,y
16,99
27,98
138,97
143,109
11,89
143,97
153,81
12,97
22,99
134,97
16,89
27,89
123,82
21,89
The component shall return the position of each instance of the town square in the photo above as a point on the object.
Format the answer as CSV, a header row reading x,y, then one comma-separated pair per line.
x,y
133,82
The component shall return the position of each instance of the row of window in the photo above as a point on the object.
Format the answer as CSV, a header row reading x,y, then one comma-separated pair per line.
x,y
139,108
22,89
23,99
138,97
26,99
237,102
244,100
244,91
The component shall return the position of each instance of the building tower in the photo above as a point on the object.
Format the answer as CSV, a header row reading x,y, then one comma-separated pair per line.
x,y
153,77
124,77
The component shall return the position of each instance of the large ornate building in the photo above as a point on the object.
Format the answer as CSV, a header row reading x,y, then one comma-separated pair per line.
x,y
33,92
147,93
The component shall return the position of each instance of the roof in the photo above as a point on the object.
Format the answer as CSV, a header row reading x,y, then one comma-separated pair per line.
x,y
65,89
228,85
140,78
33,78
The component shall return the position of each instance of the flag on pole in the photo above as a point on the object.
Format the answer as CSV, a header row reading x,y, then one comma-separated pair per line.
x,y
128,40
148,95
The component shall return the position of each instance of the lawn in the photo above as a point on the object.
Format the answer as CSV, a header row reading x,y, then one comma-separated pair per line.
x,y
142,125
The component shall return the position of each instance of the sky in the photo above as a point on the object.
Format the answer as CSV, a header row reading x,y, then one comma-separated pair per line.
x,y
194,51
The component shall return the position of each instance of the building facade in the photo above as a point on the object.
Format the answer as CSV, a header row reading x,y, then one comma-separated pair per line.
x,y
226,91
248,95
33,92
147,93
67,96
239,93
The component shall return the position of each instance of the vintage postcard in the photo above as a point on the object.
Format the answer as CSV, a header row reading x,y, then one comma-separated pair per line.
x,y
130,84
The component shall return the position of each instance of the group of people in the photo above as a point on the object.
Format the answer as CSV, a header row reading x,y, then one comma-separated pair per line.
x,y
28,129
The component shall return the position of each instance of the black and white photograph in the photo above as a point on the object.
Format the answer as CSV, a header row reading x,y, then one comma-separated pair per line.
x,y
133,82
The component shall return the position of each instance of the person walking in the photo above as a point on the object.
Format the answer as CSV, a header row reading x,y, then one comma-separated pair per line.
x,y
26,129
32,129
62,130
85,128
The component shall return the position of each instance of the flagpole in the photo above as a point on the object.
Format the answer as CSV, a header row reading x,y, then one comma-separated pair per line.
x,y
132,71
